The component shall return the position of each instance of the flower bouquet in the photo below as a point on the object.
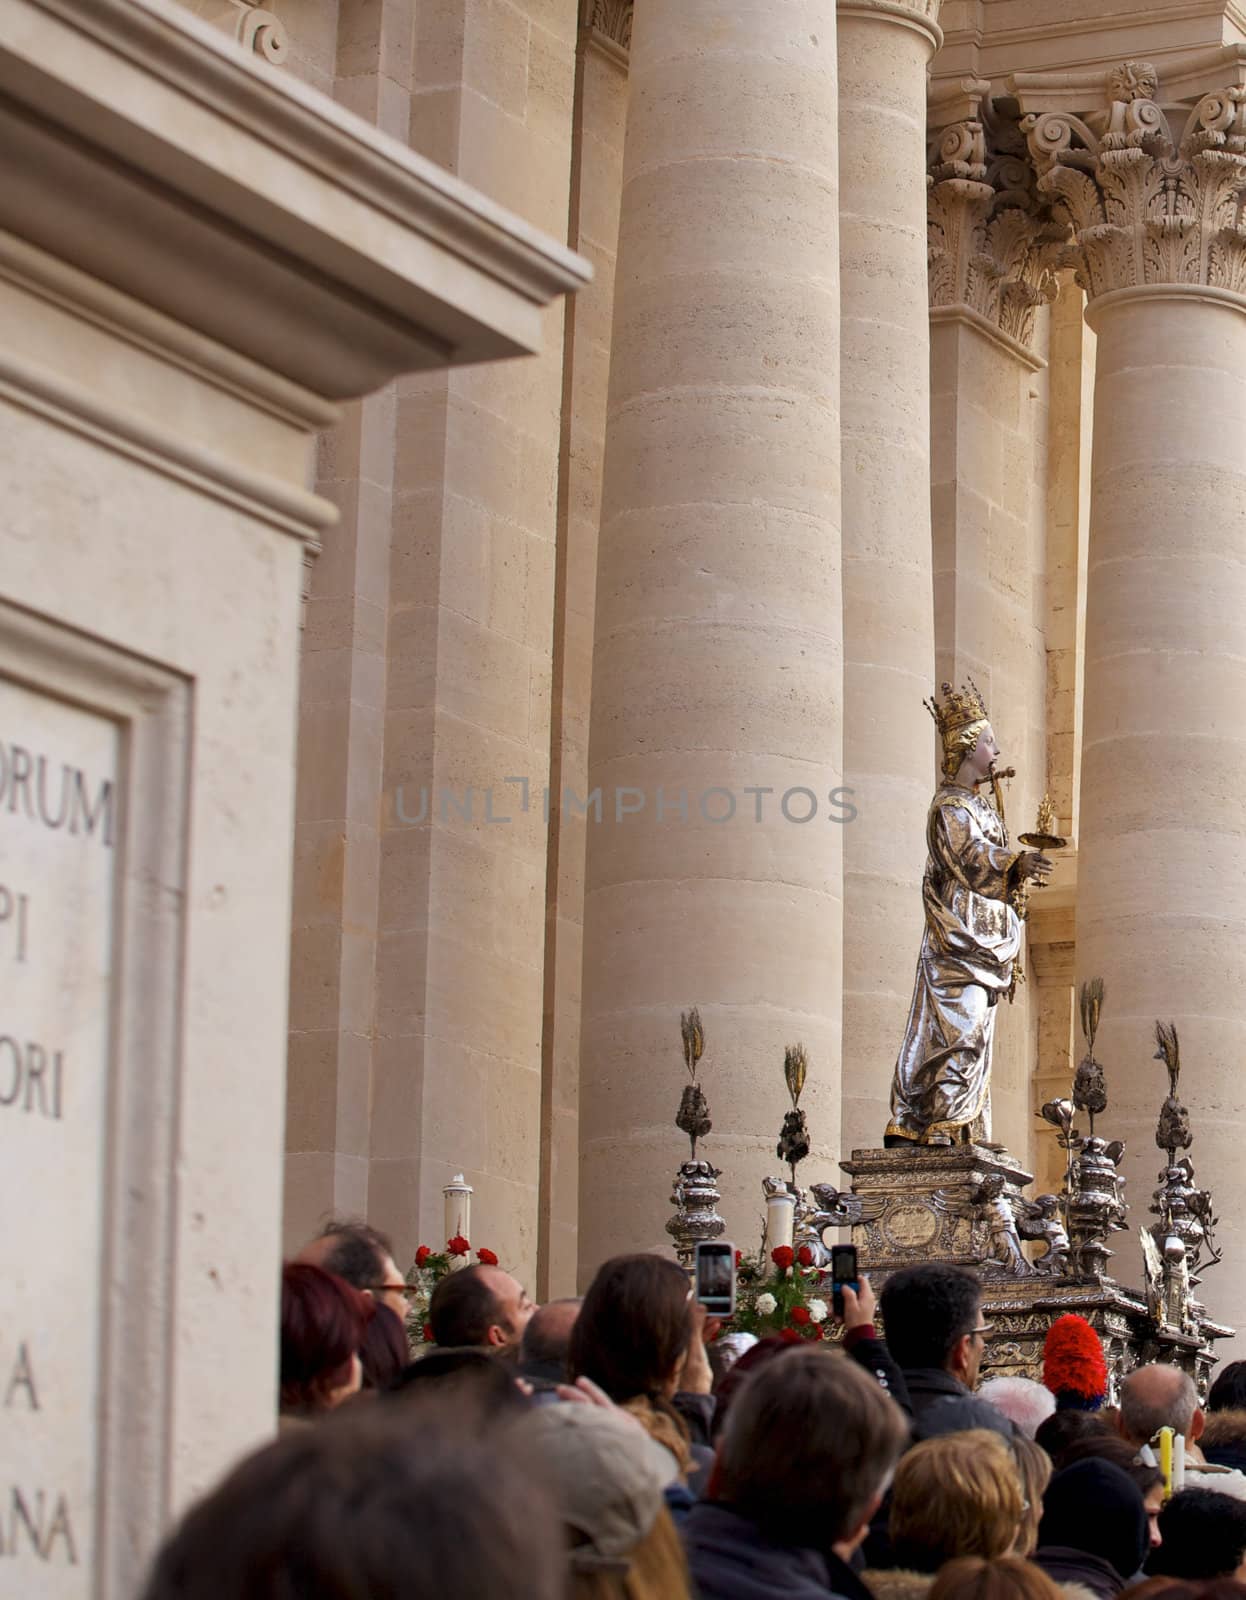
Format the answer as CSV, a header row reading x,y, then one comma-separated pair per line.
x,y
425,1273
781,1295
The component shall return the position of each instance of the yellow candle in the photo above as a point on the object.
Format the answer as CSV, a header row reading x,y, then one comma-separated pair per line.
x,y
1165,1459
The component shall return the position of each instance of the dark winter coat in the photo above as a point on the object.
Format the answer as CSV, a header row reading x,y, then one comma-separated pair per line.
x,y
731,1559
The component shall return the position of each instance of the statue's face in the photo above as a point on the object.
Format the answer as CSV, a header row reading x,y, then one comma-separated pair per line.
x,y
984,754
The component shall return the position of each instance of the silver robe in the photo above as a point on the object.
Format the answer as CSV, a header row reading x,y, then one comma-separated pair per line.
x,y
972,937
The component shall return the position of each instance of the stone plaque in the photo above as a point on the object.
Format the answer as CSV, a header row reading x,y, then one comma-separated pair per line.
x,y
59,821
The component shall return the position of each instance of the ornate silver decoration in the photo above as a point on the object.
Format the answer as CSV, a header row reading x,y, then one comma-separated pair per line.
x,y
695,1195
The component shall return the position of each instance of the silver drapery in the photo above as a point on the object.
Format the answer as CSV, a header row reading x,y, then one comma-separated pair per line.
x,y
972,937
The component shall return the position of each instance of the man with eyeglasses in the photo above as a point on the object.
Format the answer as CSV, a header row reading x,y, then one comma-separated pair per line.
x,y
935,1331
364,1257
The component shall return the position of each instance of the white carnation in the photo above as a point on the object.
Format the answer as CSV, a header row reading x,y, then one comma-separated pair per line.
x,y
817,1310
766,1305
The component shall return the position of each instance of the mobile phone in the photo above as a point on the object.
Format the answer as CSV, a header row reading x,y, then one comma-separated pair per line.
x,y
713,1271
844,1274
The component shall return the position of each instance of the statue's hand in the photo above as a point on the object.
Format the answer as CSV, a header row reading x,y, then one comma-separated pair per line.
x,y
1033,864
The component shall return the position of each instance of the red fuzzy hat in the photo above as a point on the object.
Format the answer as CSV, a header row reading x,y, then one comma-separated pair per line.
x,y
1073,1365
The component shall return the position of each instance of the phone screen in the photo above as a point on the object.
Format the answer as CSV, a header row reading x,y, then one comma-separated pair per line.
x,y
715,1276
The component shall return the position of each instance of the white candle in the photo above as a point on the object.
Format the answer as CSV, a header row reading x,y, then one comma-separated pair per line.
x,y
1178,1464
458,1196
780,1220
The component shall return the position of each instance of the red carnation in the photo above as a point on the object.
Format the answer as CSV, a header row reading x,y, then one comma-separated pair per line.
x,y
800,1316
486,1258
1073,1365
739,1256
458,1246
783,1256
789,1336
422,1255
815,1331
428,1333
805,1256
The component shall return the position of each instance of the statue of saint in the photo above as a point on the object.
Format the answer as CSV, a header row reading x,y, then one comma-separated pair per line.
x,y
941,1091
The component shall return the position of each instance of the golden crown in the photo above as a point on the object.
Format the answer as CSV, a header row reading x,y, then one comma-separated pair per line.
x,y
957,710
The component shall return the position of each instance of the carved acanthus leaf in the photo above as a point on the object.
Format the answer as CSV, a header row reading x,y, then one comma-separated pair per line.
x,y
1145,207
991,241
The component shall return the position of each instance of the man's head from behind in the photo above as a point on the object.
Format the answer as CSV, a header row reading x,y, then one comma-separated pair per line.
x,y
811,1441
481,1306
1159,1396
1203,1535
370,1505
547,1339
932,1315
364,1256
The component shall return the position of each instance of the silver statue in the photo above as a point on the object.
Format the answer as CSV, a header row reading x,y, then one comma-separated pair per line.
x,y
974,893
1041,1221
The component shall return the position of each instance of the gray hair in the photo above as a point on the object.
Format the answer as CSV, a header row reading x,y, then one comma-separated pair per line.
x,y
1021,1400
1154,1397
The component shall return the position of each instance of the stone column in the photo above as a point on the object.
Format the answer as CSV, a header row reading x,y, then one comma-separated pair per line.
x,y
456,1062
1162,871
600,120
884,49
716,663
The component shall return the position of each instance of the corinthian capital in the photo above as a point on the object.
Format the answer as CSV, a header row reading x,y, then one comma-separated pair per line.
x,y
1150,183
992,245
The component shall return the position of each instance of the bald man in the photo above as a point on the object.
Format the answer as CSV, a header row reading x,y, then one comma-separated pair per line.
x,y
546,1341
1162,1396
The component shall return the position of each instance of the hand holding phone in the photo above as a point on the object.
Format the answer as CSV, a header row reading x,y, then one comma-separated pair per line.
x,y
844,1275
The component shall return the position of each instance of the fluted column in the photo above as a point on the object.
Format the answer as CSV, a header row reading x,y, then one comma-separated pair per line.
x,y
884,49
717,655
1161,911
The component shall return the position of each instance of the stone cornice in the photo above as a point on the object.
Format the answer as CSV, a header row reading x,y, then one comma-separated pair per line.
x,y
272,220
992,245
921,15
1150,182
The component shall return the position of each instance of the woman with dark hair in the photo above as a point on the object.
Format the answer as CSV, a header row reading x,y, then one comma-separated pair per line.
x,y
323,1323
632,1338
384,1351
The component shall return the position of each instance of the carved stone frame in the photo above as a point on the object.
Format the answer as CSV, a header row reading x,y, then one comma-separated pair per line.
x,y
151,707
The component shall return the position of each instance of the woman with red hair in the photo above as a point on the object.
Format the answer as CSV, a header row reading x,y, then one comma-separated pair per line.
x,y
323,1321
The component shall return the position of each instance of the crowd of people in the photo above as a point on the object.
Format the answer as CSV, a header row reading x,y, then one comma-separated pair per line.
x,y
615,1448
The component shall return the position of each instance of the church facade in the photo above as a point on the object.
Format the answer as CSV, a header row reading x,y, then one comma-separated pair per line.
x,y
912,353
490,485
